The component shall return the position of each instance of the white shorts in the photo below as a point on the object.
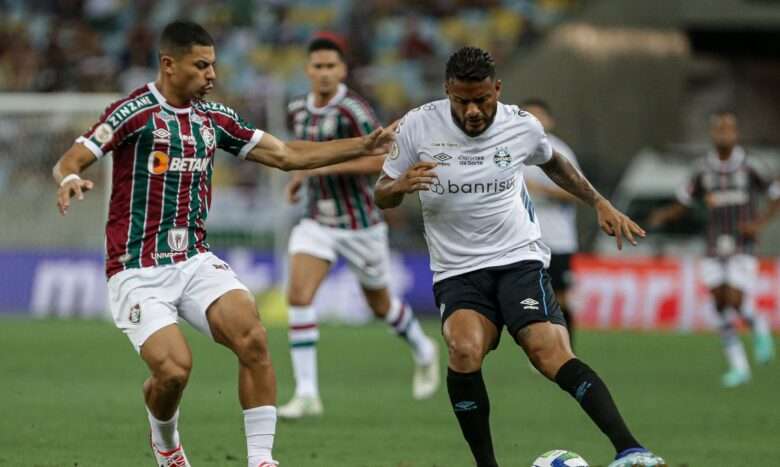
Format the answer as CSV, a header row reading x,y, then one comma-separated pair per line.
x,y
738,271
145,300
366,251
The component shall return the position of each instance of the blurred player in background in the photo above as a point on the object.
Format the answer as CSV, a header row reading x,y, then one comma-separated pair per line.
x,y
730,187
341,220
556,210
464,157
163,137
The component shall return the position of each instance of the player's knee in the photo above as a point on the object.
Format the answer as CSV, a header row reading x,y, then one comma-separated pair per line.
x,y
465,355
251,346
173,375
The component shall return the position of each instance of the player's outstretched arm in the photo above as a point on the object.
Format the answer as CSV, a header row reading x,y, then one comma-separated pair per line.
x,y
389,192
611,221
304,155
666,214
67,172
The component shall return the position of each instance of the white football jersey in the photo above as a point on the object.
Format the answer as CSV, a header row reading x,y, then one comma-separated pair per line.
x,y
558,220
478,214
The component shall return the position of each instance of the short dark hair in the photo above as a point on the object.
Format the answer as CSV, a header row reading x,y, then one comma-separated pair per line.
x,y
470,64
180,36
536,102
322,43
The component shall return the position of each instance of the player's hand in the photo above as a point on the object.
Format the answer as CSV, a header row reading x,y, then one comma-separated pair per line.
x,y
76,187
378,142
616,224
293,187
419,177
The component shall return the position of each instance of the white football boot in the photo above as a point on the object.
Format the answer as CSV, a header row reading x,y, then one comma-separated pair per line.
x,y
426,377
172,458
301,406
638,458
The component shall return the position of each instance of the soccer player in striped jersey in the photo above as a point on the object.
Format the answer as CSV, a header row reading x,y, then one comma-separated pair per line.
x,y
164,137
464,158
730,186
341,220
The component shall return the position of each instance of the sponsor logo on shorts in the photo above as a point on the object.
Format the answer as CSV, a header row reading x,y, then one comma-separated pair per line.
x,y
221,267
135,314
442,307
530,304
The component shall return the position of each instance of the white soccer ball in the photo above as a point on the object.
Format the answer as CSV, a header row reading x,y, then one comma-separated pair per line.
x,y
559,458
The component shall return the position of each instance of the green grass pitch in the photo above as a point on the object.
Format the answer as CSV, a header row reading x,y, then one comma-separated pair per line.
x,y
70,396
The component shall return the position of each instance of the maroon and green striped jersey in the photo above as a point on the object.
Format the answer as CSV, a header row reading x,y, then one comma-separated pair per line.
x,y
730,190
342,201
163,158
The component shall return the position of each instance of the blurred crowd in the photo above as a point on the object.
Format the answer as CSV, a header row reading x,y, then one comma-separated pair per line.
x,y
396,47
396,50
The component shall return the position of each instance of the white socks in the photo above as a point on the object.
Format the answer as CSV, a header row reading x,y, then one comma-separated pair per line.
x,y
401,318
260,428
303,335
165,434
732,345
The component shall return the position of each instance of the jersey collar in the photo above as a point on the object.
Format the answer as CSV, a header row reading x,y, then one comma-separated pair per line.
x,y
158,95
729,165
341,91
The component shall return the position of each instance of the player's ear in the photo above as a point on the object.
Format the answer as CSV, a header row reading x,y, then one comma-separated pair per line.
x,y
498,88
167,63
447,87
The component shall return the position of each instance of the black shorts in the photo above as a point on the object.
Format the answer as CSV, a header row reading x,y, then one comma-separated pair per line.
x,y
514,295
560,271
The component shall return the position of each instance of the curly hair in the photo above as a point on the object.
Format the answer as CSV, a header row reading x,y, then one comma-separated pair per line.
x,y
470,64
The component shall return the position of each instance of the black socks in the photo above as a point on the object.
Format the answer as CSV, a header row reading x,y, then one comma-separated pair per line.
x,y
579,380
472,408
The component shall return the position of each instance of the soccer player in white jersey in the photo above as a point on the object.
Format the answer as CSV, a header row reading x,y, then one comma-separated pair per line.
x,y
464,157
556,211
730,185
341,220
164,137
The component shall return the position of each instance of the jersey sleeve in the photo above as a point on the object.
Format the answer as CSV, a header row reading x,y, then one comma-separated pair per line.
x,y
402,153
691,191
116,124
764,183
234,135
360,118
542,151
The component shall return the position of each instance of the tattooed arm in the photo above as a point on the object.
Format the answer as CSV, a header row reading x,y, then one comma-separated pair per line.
x,y
611,221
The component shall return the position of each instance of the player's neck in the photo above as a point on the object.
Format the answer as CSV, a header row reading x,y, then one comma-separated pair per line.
x,y
322,99
724,154
171,97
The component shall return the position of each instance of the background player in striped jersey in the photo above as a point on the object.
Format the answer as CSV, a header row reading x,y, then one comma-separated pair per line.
x,y
164,137
557,212
464,158
730,186
341,220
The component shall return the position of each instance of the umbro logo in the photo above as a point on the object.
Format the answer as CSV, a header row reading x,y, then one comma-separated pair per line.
x,y
441,157
161,133
465,406
530,304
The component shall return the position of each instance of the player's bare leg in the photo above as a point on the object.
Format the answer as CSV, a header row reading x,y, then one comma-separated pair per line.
x,y
469,337
763,344
739,368
401,318
547,346
306,275
169,359
234,323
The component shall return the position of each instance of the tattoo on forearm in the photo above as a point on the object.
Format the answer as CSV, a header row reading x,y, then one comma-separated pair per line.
x,y
566,176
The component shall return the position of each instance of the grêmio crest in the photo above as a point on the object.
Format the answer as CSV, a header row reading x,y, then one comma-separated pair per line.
x,y
502,158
